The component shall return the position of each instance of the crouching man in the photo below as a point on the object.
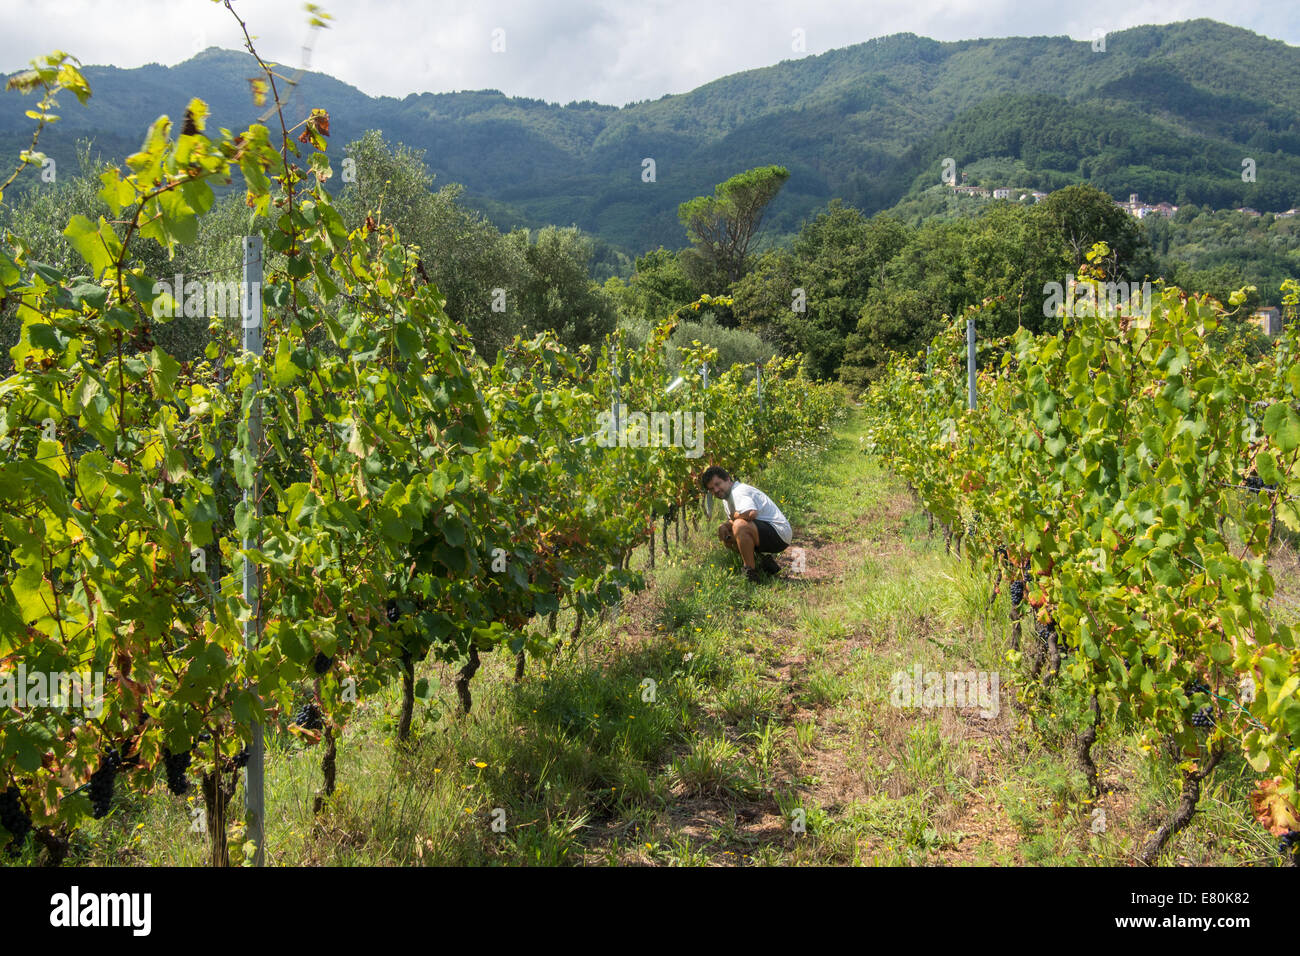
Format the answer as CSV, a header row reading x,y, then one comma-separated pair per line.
x,y
756,528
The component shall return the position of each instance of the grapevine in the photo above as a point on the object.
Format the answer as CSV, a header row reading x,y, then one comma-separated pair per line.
x,y
1112,455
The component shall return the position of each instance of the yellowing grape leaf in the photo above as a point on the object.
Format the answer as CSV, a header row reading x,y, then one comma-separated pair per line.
x,y
1272,809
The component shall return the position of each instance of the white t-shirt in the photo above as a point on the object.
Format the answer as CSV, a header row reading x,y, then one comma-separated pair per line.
x,y
744,497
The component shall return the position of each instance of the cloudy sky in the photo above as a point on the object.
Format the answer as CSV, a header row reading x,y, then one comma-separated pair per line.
x,y
609,51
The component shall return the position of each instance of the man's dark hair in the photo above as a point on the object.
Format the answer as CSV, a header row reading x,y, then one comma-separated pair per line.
x,y
713,471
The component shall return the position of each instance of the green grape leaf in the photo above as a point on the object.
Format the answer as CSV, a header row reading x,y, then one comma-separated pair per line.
x,y
1283,426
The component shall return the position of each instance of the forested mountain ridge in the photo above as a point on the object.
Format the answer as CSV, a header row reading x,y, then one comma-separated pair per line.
x,y
1166,111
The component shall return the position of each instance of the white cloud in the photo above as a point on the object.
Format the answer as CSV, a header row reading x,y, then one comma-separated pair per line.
x,y
562,50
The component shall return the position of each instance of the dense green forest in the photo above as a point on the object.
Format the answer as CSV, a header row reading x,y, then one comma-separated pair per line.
x,y
846,292
1165,111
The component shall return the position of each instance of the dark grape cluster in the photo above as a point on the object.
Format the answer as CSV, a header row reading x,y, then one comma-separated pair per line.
x,y
1289,843
241,758
176,765
1048,631
309,717
1196,688
1256,483
101,784
14,819
320,664
1204,718
393,612
1017,592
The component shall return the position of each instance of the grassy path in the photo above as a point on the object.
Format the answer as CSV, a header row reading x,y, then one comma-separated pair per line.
x,y
709,721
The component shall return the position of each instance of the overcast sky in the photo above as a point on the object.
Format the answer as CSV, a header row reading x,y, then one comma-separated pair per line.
x,y
563,50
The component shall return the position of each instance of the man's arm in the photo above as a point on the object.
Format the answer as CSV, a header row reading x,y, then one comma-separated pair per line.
x,y
725,532
744,513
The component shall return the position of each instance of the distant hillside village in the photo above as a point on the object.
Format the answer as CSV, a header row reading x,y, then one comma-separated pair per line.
x,y
1001,192
1140,210
1134,207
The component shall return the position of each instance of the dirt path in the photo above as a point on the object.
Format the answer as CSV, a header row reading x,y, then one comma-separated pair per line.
x,y
875,783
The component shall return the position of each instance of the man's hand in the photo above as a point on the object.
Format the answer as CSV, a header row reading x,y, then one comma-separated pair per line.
x,y
745,515
724,532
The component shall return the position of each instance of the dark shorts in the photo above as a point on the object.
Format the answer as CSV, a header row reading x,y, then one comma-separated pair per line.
x,y
769,541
